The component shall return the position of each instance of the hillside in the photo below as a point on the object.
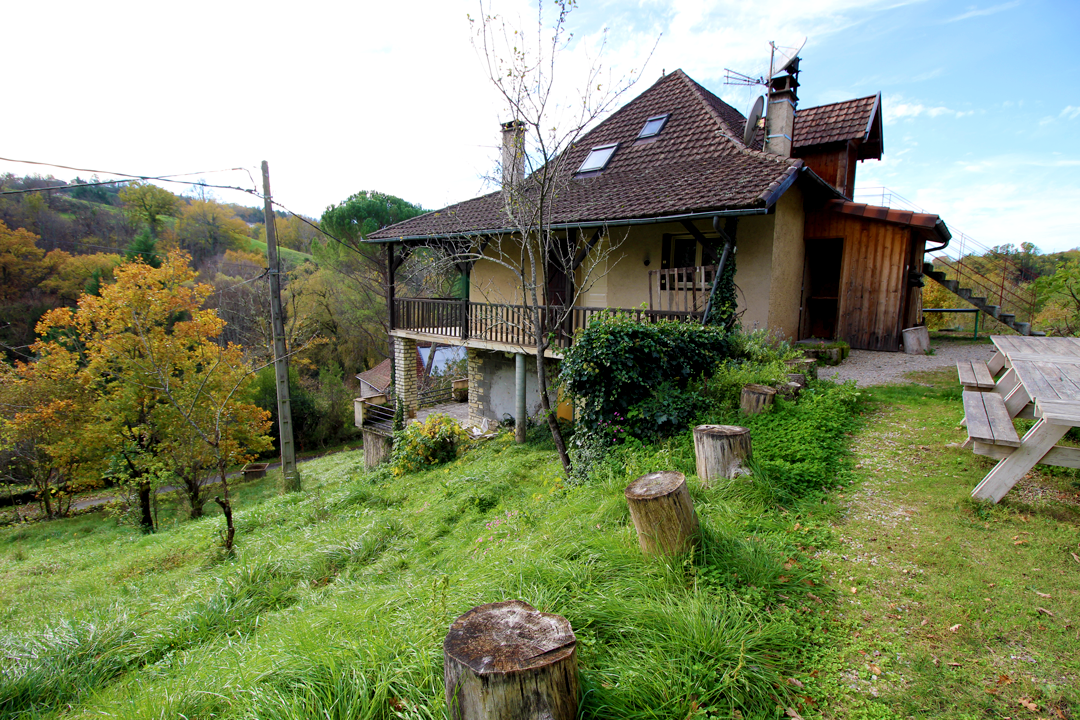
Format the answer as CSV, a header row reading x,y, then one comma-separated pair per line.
x,y
842,605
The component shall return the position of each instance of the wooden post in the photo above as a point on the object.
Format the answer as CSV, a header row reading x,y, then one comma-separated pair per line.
x,y
756,398
662,512
507,661
289,472
721,451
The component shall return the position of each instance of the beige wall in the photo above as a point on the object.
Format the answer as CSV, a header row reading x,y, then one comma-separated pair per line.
x,y
788,255
769,265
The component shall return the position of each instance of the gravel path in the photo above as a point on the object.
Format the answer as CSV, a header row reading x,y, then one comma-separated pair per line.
x,y
867,367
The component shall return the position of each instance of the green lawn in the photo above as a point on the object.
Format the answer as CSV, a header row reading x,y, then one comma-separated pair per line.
x,y
295,257
838,605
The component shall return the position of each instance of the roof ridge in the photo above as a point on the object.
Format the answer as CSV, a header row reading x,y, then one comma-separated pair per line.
x,y
699,91
839,102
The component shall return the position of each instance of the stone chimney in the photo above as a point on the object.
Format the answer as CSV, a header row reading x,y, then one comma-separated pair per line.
x,y
513,154
780,120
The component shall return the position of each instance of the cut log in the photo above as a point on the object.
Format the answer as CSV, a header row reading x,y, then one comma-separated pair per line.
x,y
797,378
721,451
756,398
663,513
805,366
916,340
376,448
790,390
508,661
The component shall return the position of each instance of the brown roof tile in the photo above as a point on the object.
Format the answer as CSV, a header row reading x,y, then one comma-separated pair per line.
x,y
696,164
838,122
921,221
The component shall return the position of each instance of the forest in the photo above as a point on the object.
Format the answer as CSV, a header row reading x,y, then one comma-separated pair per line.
x,y
73,259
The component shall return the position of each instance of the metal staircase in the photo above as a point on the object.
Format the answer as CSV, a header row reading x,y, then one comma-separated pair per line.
x,y
1002,292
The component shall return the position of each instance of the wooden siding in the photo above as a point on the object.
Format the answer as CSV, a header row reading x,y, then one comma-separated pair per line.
x,y
835,166
874,294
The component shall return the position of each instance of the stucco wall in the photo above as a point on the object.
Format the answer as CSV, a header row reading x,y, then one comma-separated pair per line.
x,y
753,268
788,255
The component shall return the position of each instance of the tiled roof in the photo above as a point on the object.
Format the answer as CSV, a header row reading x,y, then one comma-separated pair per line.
x,y
838,122
921,221
378,377
696,164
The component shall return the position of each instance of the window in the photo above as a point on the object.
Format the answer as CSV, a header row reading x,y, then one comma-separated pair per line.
x,y
598,158
653,126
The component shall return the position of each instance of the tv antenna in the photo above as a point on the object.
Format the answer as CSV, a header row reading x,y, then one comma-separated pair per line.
x,y
781,59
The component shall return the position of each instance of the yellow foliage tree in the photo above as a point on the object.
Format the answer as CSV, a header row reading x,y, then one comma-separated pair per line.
x,y
146,202
166,385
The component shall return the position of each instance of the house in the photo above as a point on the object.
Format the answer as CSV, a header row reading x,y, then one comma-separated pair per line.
x,y
669,177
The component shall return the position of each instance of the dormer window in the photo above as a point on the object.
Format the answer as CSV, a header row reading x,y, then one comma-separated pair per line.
x,y
598,158
653,126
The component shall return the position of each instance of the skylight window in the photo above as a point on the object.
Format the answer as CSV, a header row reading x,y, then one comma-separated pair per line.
x,y
653,126
598,158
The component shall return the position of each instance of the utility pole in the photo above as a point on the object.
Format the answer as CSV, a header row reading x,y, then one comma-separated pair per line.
x,y
281,358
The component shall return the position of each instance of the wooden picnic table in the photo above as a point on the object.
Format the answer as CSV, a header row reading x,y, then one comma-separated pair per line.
x,y
1041,380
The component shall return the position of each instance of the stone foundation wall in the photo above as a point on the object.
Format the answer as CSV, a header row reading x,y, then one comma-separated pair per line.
x,y
492,391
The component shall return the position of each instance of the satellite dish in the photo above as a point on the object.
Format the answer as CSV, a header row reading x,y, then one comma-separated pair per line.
x,y
752,121
783,60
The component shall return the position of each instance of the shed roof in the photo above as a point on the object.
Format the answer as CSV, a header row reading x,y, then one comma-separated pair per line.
x,y
858,119
927,222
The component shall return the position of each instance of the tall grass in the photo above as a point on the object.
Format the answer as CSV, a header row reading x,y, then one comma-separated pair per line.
x,y
337,600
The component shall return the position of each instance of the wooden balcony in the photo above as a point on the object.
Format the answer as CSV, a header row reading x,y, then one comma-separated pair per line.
x,y
461,322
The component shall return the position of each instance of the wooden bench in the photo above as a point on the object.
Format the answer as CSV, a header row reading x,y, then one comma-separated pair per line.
x,y
974,375
987,419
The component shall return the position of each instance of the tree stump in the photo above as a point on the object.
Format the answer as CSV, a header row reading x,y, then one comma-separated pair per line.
x,y
799,379
805,366
721,451
507,661
662,512
756,398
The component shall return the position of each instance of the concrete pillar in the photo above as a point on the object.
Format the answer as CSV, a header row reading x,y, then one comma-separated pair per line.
x,y
520,413
407,384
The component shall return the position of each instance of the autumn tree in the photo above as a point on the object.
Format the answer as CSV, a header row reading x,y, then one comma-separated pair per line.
x,y
167,385
21,265
206,228
146,202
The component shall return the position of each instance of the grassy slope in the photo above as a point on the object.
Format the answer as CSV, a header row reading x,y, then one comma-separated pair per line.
x,y
338,598
295,257
941,595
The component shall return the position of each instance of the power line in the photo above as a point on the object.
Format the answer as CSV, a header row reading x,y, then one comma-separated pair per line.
x,y
168,178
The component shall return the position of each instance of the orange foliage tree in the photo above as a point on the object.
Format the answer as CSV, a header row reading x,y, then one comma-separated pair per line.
x,y
167,386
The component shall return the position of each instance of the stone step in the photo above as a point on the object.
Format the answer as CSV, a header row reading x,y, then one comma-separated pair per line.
x,y
992,310
1022,327
1036,333
927,268
964,293
1006,318
978,302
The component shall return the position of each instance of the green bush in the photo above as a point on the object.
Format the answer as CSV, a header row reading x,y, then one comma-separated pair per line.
x,y
437,440
617,363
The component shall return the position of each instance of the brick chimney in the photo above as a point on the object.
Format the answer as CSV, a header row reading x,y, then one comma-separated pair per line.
x,y
513,154
780,120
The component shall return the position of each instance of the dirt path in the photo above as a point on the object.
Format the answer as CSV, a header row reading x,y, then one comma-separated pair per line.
x,y
867,367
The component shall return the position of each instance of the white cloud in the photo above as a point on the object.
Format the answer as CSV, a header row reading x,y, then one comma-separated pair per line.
x,y
975,12
896,108
1070,113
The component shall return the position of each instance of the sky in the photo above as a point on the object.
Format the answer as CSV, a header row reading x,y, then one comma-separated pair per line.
x,y
980,100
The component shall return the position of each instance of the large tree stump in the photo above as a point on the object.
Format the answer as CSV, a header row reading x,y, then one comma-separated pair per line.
x,y
662,512
507,661
721,451
756,398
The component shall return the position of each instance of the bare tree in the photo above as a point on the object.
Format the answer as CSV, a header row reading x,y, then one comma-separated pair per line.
x,y
554,267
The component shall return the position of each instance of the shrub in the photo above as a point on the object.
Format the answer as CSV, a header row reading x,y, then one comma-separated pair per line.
x,y
437,440
617,363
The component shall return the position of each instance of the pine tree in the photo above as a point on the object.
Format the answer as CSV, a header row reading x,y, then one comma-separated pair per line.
x,y
144,246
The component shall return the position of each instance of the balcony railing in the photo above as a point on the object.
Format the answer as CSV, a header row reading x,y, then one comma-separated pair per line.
x,y
509,324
